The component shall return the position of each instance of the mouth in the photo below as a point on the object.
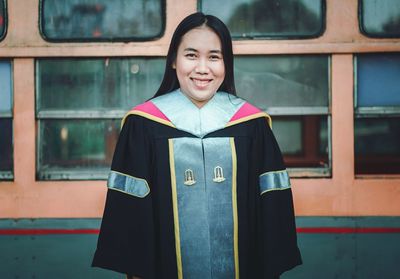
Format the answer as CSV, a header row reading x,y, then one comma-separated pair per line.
x,y
201,82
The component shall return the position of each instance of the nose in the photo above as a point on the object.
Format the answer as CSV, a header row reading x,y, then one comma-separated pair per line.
x,y
202,67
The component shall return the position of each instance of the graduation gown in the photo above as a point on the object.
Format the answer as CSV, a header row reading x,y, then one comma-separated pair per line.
x,y
198,193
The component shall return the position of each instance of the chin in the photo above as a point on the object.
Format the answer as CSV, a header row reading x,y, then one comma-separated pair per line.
x,y
204,98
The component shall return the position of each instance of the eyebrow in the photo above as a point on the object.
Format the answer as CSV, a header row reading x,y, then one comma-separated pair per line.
x,y
195,50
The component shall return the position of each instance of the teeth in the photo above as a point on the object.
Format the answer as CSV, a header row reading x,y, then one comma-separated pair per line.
x,y
201,82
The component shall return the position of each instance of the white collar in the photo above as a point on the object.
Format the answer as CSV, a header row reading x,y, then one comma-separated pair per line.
x,y
186,116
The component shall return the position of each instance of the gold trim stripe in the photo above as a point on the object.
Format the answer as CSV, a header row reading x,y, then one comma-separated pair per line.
x,y
234,207
148,116
270,190
250,117
175,209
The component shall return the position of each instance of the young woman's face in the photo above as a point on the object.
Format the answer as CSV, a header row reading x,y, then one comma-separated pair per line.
x,y
200,65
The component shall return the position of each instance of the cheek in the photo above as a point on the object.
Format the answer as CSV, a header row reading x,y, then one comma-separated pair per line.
x,y
183,67
220,70
220,73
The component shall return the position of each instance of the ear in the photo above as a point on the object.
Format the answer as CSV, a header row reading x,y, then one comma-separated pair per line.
x,y
173,65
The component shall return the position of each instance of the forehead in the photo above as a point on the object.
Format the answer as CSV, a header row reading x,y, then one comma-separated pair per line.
x,y
201,38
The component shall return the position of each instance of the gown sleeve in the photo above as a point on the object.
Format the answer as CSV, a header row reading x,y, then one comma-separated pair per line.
x,y
279,250
126,239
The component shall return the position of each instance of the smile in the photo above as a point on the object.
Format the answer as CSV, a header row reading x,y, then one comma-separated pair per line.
x,y
201,82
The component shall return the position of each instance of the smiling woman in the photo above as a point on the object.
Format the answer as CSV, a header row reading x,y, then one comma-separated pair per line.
x,y
200,65
198,188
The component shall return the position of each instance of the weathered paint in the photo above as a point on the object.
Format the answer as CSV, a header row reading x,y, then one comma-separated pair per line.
x,y
51,253
347,255
341,195
332,247
342,35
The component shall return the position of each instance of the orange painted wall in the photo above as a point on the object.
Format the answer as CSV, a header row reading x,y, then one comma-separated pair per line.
x,y
341,195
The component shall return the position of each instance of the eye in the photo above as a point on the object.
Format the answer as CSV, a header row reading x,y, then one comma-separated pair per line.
x,y
190,55
215,57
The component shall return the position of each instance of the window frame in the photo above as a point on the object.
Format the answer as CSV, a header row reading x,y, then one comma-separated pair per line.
x,y
9,175
4,33
370,112
100,40
309,172
365,32
43,114
302,172
64,173
318,34
57,174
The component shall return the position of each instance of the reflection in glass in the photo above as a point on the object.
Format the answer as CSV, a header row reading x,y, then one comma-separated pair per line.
x,y
101,19
323,136
6,132
289,134
303,140
6,154
2,19
380,18
269,18
77,144
5,87
283,81
97,84
377,147
378,82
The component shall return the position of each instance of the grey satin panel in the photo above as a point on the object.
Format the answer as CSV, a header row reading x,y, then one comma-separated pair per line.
x,y
187,117
218,152
128,184
205,208
192,209
274,180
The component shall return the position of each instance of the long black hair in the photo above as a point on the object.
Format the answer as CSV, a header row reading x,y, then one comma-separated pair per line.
x,y
170,80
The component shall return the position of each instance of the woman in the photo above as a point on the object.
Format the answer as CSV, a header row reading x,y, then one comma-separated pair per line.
x,y
197,187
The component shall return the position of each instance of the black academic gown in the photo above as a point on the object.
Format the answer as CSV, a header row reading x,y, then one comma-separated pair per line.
x,y
190,204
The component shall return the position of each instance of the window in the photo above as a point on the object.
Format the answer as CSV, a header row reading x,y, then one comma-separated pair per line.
x,y
294,90
3,20
278,19
102,20
80,103
377,114
380,18
6,135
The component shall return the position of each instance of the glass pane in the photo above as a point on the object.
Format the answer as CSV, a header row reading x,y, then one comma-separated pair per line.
x,y
96,84
97,20
377,145
323,136
378,82
283,81
6,154
5,87
77,144
269,18
2,19
380,18
303,140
